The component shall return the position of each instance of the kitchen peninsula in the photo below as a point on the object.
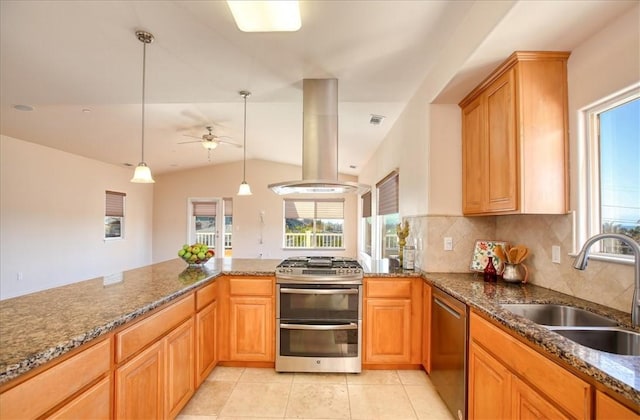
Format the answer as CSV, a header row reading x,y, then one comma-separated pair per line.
x,y
54,324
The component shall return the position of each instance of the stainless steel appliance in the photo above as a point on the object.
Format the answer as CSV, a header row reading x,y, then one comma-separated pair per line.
x,y
449,351
319,315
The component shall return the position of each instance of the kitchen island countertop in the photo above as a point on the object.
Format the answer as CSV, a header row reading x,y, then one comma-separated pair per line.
x,y
39,327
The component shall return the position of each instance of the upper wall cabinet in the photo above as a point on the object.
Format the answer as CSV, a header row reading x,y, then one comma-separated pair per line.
x,y
515,138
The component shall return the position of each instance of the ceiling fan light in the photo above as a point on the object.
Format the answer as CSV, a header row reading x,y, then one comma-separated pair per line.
x,y
245,189
142,174
209,145
266,16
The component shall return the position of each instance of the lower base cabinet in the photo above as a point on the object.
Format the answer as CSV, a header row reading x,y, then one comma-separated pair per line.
x,y
509,380
160,380
140,385
609,409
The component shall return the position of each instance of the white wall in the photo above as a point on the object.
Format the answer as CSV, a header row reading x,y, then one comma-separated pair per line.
x,y
52,218
424,141
172,191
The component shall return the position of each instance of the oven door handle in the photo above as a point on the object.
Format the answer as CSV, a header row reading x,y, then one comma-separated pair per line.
x,y
350,326
319,291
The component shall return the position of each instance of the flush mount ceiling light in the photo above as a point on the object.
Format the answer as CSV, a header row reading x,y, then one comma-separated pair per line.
x,y
244,189
142,175
266,15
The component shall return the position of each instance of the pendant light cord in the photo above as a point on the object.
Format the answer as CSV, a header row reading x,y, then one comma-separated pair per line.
x,y
244,151
144,71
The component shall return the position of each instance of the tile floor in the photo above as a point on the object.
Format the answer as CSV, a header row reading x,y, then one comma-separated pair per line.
x,y
252,393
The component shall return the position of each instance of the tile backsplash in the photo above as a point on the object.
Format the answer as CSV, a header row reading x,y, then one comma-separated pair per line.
x,y
605,283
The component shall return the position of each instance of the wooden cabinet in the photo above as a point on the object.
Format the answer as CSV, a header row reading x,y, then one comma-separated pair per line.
x,y
206,331
180,368
392,322
609,409
508,379
489,386
426,327
515,138
78,386
140,385
249,318
156,375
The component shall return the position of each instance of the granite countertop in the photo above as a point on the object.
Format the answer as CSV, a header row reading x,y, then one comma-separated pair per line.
x,y
39,327
618,373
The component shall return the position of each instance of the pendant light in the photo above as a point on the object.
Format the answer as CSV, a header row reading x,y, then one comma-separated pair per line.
x,y
142,174
244,189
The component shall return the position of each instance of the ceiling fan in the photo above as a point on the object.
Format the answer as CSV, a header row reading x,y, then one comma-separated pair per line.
x,y
210,141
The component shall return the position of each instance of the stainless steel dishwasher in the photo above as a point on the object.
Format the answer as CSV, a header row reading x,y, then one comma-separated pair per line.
x,y
449,351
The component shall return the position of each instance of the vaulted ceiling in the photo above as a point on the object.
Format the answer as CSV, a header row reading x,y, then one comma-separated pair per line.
x,y
79,65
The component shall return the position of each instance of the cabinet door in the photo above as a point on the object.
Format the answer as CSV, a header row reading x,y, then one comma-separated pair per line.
x,y
529,404
251,329
426,327
94,403
388,331
207,326
501,175
474,157
140,385
180,368
609,409
489,386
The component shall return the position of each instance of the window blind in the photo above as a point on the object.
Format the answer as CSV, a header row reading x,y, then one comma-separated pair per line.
x,y
388,194
228,206
366,204
114,204
204,208
314,209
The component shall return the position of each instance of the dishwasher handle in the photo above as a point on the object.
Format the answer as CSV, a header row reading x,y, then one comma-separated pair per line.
x,y
447,308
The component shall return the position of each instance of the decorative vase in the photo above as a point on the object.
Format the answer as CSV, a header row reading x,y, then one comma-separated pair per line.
x,y
490,272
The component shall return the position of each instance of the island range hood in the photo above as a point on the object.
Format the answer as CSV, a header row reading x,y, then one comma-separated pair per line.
x,y
319,144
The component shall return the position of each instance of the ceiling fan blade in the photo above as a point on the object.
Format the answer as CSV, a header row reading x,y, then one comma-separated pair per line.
x,y
193,137
230,143
186,142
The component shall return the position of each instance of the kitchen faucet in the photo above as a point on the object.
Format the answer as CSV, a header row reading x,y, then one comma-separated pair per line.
x,y
581,263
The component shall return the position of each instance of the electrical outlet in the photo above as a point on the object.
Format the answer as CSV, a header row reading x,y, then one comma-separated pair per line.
x,y
20,277
448,243
555,254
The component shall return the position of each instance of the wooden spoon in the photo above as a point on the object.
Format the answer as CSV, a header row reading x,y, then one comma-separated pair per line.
x,y
500,253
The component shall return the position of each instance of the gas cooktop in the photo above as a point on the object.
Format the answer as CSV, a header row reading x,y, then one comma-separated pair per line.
x,y
319,270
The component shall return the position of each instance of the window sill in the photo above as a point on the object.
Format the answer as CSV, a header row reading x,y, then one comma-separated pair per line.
x,y
313,249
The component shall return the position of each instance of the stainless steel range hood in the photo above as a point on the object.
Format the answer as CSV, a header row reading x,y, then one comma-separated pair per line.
x,y
319,143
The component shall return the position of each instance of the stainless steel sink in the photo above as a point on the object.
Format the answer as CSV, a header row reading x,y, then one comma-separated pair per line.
x,y
550,314
610,340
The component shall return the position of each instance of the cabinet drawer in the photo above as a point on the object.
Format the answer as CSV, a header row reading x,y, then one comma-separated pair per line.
x,y
251,287
141,334
565,389
396,288
41,393
95,403
206,295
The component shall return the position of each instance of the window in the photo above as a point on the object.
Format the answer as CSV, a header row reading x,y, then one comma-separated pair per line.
x,y
388,215
314,224
114,215
206,223
367,223
614,170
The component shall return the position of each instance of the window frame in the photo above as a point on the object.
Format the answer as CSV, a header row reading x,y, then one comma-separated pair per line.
x,y
109,212
315,202
588,221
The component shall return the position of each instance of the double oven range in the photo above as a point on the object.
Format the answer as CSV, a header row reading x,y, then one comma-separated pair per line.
x,y
319,315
